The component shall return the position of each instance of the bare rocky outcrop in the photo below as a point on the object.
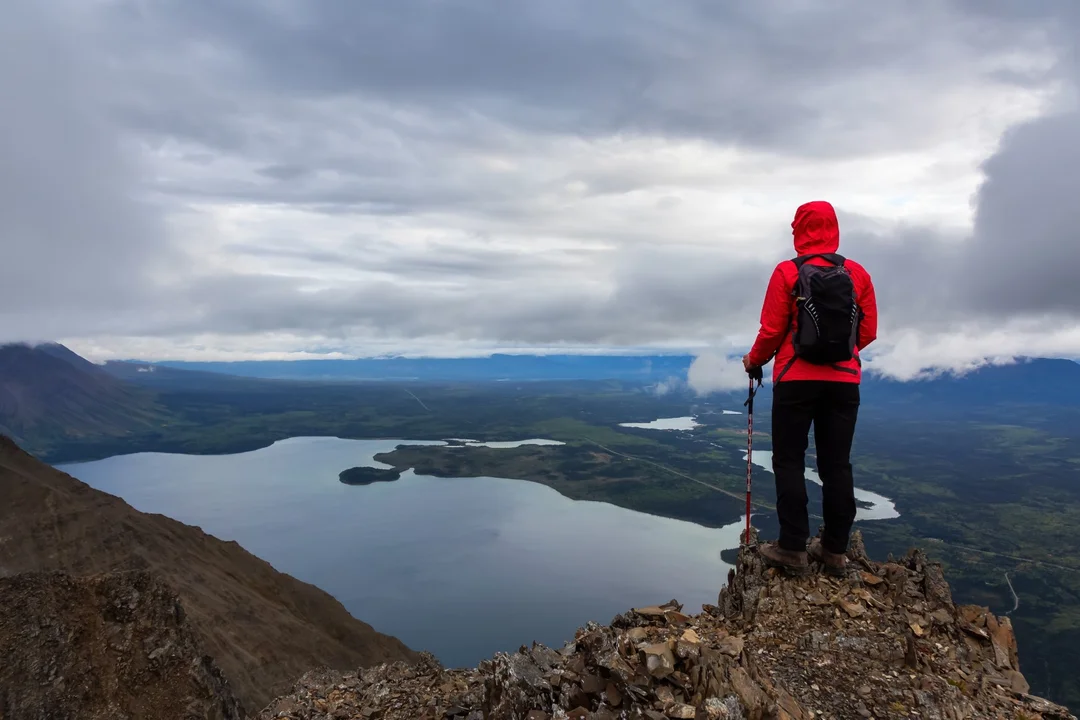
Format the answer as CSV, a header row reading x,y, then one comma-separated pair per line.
x,y
885,642
104,647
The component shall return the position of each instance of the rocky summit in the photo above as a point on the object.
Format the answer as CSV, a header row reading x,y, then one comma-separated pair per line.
x,y
886,641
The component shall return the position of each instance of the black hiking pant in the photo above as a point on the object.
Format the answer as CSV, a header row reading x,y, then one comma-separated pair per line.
x,y
832,408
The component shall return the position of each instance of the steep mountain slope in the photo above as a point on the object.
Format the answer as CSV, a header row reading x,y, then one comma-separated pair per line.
x,y
69,356
886,642
103,647
49,393
264,628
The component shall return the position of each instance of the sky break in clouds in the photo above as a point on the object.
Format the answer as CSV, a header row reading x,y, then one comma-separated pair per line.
x,y
227,179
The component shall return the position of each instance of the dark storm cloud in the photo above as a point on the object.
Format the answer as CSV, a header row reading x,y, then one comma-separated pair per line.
x,y
761,73
1020,259
1026,248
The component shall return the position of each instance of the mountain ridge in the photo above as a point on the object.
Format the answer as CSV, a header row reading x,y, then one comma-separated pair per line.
x,y
47,392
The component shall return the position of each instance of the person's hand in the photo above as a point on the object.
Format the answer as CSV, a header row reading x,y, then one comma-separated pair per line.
x,y
754,371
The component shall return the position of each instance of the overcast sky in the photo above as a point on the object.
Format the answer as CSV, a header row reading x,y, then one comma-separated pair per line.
x,y
226,179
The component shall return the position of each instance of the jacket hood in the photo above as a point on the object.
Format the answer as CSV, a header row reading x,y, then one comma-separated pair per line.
x,y
815,228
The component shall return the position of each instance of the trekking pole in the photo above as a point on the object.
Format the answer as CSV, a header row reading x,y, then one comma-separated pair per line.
x,y
755,374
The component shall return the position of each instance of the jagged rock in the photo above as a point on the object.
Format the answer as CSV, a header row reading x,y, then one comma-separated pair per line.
x,y
668,608
612,695
870,578
1017,682
853,609
681,710
725,709
659,660
750,694
1002,640
518,685
772,648
731,645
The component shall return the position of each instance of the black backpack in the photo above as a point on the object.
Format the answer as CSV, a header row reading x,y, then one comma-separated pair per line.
x,y
826,312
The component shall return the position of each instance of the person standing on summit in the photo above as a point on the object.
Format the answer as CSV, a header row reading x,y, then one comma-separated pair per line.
x,y
820,311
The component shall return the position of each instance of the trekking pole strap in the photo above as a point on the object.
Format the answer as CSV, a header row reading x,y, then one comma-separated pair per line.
x,y
755,374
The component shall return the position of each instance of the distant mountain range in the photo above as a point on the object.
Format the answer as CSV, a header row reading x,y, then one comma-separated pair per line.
x,y
1041,381
1028,381
50,396
645,368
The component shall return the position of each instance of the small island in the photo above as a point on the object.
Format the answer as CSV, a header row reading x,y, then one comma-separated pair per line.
x,y
367,475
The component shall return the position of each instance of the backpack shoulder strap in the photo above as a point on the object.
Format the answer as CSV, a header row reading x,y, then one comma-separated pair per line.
x,y
834,258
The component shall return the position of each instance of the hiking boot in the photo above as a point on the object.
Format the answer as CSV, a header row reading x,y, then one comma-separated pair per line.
x,y
789,561
834,564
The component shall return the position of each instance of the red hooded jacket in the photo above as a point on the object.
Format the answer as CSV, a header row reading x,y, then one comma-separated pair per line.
x,y
815,230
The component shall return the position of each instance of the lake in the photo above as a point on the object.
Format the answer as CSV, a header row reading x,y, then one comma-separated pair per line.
x,y
678,423
460,567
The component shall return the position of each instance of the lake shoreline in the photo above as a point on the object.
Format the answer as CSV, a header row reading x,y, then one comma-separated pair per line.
x,y
467,444
505,556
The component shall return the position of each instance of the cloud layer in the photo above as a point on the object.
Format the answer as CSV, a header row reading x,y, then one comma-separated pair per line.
x,y
231,178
